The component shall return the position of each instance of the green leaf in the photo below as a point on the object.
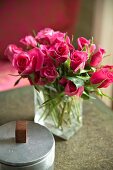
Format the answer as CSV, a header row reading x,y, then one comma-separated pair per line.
x,y
86,95
85,78
67,63
99,92
92,40
51,88
17,81
93,69
65,36
84,48
84,71
35,86
34,33
90,88
78,82
107,96
72,38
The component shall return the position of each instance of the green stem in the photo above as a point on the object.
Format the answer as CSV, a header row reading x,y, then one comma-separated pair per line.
x,y
62,114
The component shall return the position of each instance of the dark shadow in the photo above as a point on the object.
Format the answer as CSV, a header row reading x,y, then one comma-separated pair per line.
x,y
58,139
7,141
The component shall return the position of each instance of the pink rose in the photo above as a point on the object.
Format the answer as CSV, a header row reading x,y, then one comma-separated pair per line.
x,y
49,73
103,77
62,49
11,50
59,52
58,37
44,49
45,36
21,61
97,57
28,62
49,37
29,41
78,60
37,58
71,89
82,42
47,58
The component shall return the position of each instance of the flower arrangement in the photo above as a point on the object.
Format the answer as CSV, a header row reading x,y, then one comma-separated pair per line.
x,y
51,63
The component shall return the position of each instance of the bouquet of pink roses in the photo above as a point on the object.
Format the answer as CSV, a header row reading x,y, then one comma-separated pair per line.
x,y
49,58
51,63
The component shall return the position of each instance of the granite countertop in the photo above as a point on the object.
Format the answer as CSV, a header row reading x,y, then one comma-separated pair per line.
x,y
90,149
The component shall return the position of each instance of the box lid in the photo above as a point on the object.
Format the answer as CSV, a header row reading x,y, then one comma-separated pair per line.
x,y
39,144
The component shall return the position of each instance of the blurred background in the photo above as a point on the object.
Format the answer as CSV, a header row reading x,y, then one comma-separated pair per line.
x,y
77,17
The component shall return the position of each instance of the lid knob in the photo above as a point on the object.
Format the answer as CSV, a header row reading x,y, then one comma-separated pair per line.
x,y
21,131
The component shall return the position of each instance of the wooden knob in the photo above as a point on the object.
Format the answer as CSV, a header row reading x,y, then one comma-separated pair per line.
x,y
21,131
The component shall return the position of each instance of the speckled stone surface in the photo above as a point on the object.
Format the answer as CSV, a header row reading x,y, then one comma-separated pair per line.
x,y
90,149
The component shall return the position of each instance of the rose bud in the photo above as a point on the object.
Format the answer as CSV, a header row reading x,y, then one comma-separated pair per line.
x,y
49,73
82,42
92,48
103,77
97,58
71,89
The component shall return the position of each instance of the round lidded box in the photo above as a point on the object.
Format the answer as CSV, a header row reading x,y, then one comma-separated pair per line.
x,y
36,154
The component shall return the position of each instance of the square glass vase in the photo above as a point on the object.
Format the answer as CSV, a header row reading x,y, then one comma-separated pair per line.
x,y
60,113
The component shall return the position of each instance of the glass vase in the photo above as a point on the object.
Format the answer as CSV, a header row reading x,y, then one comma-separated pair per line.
x,y
60,113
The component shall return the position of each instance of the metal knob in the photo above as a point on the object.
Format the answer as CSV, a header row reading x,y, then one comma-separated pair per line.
x,y
21,131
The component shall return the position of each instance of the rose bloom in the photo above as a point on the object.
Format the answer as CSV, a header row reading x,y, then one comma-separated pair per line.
x,y
21,61
103,77
78,60
71,89
49,37
59,52
97,57
44,49
47,58
37,58
49,73
11,50
82,42
29,41
45,36
60,37
28,62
